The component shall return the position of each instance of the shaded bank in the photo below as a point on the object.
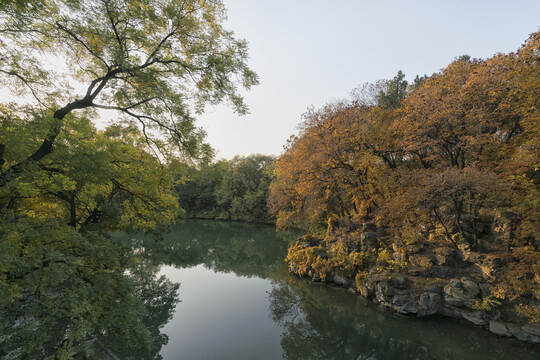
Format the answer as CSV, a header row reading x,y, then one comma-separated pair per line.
x,y
417,280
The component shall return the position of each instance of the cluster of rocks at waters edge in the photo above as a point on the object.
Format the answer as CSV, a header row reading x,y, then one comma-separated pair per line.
x,y
437,280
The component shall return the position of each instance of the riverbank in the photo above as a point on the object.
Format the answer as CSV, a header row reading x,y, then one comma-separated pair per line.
x,y
238,301
427,278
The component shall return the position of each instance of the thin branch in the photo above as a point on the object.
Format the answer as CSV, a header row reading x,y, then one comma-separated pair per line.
x,y
150,57
25,82
80,41
113,24
141,117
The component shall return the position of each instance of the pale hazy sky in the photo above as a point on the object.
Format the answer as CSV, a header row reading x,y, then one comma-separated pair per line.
x,y
308,52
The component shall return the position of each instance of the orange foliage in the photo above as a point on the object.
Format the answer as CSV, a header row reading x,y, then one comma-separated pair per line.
x,y
463,143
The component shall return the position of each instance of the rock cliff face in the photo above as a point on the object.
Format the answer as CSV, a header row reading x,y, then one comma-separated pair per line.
x,y
412,279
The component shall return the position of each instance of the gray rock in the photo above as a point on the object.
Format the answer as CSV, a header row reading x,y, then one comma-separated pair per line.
x,y
533,329
414,249
418,272
400,282
408,308
450,300
445,256
398,301
470,288
450,311
384,292
422,260
521,334
433,288
384,288
499,328
429,303
477,317
460,293
338,279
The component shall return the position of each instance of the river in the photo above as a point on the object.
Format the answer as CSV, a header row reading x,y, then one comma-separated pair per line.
x,y
237,301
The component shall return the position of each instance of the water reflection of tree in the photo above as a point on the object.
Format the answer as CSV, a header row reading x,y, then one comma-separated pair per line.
x,y
317,326
159,297
318,321
72,288
245,249
324,322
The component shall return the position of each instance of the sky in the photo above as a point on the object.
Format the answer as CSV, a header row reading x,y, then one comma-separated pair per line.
x,y
310,52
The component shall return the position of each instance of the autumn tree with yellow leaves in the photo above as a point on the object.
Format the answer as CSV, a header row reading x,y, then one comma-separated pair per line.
x,y
439,161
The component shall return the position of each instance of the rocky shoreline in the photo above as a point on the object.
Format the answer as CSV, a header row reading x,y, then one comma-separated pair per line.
x,y
418,280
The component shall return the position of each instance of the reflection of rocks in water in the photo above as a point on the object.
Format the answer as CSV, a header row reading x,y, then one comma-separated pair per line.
x,y
310,333
322,322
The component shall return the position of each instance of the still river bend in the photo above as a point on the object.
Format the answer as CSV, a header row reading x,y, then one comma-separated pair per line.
x,y
237,301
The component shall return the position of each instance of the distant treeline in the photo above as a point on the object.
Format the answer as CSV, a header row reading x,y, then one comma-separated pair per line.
x,y
234,189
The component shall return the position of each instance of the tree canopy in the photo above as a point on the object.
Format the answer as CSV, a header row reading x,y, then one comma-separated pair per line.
x,y
452,160
153,62
149,65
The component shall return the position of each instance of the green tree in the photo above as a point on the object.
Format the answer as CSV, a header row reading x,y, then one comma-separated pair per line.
x,y
150,61
153,63
244,190
94,177
395,91
60,288
196,188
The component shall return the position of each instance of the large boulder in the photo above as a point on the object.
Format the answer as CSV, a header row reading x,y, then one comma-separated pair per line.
x,y
477,317
499,328
460,293
429,303
529,333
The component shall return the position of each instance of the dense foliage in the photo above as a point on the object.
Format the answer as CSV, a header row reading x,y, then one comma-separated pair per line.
x,y
64,184
439,162
237,189
61,288
151,62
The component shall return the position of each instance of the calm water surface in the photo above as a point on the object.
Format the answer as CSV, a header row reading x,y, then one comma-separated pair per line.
x,y
237,301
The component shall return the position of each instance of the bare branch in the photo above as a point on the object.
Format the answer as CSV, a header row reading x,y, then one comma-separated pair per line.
x,y
80,41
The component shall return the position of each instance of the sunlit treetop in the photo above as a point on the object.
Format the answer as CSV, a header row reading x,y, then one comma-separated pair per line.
x,y
154,62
